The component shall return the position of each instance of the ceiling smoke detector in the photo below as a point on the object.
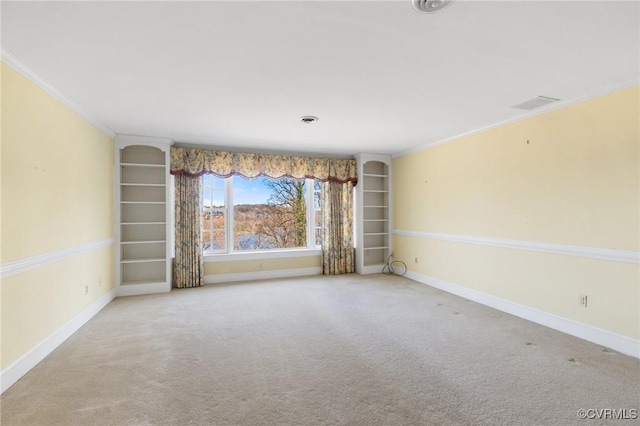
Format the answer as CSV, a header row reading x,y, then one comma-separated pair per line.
x,y
430,6
308,119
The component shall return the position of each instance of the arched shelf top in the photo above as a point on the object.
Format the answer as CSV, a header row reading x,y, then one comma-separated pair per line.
x,y
125,141
364,158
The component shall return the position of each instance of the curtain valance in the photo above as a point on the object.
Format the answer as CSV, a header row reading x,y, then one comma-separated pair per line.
x,y
196,162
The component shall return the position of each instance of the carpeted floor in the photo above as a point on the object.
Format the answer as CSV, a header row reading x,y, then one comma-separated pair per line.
x,y
345,350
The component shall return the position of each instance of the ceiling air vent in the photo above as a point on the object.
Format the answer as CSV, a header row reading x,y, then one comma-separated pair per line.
x,y
430,6
535,103
308,119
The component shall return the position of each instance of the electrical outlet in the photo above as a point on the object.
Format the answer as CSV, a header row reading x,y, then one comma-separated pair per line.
x,y
582,300
86,289
415,260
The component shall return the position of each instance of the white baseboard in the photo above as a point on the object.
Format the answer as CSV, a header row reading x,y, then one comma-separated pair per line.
x,y
620,343
140,289
261,275
26,362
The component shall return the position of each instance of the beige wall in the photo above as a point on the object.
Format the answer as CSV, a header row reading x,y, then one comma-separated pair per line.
x,y
569,177
57,194
243,266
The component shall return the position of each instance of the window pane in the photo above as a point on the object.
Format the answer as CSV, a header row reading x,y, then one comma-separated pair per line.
x,y
213,214
217,199
317,194
268,214
317,205
318,227
213,240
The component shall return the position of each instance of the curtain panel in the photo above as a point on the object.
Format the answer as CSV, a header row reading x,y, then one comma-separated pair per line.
x,y
196,162
188,268
337,228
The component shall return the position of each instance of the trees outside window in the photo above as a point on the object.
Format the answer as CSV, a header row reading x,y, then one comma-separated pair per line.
x,y
214,213
285,221
267,214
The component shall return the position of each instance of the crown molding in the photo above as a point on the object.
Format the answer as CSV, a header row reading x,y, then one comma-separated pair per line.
x,y
603,90
9,59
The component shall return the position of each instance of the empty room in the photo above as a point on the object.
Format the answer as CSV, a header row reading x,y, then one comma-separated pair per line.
x,y
400,212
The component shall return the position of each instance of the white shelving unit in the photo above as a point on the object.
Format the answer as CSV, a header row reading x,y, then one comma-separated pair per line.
x,y
143,253
373,213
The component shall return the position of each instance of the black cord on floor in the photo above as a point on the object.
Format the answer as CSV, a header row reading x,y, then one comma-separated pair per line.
x,y
395,267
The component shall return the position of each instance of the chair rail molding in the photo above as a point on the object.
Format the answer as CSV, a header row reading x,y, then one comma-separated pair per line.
x,y
19,266
613,255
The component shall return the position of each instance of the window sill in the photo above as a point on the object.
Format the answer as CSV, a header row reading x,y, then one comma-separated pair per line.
x,y
256,255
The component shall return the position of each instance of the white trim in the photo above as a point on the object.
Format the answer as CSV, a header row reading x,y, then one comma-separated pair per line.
x,y
613,255
261,275
47,86
26,362
311,211
16,267
147,288
259,255
230,254
618,342
603,90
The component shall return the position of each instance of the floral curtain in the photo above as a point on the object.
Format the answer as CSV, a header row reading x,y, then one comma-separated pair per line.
x,y
196,162
188,270
338,177
337,228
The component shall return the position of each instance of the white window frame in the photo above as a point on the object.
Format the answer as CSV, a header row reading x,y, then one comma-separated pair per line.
x,y
229,253
311,202
225,210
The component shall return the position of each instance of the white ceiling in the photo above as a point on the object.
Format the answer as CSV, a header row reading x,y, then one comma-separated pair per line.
x,y
382,77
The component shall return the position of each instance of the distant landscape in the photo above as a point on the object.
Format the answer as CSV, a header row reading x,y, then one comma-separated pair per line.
x,y
256,227
281,222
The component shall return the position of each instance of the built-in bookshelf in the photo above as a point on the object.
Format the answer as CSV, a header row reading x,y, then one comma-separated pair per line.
x,y
373,213
142,220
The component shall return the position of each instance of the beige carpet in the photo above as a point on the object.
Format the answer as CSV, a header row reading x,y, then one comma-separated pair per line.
x,y
346,350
